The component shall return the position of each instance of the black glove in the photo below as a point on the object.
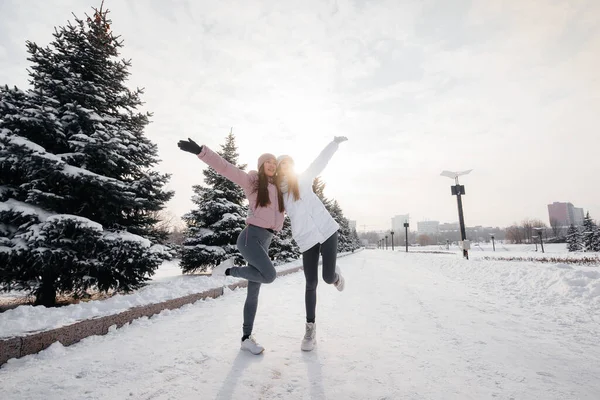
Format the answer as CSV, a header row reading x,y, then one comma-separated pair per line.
x,y
190,146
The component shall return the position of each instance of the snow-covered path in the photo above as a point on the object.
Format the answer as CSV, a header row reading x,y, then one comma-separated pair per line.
x,y
406,327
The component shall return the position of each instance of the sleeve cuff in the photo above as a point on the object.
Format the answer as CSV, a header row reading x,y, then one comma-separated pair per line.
x,y
202,152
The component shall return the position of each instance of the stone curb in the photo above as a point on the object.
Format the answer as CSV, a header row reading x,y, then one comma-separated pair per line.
x,y
22,346
70,334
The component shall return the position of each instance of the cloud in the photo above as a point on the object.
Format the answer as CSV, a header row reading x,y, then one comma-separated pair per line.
x,y
507,88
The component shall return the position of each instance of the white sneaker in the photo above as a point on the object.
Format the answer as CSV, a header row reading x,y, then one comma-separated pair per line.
x,y
219,270
252,346
340,283
310,337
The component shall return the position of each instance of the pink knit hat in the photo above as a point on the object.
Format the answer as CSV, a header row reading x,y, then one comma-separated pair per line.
x,y
263,158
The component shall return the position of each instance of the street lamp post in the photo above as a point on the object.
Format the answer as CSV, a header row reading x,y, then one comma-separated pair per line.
x,y
458,191
540,232
406,235
392,233
493,243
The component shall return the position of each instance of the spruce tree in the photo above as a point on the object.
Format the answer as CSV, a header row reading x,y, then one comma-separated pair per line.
x,y
596,239
344,233
574,239
283,248
355,240
213,227
318,187
77,190
588,231
346,241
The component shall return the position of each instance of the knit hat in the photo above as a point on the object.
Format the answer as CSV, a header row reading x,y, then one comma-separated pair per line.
x,y
284,157
262,159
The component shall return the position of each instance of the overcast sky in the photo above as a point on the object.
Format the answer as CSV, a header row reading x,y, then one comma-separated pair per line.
x,y
508,88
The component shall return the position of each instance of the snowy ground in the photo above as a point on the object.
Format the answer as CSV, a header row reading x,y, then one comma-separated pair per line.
x,y
167,283
480,250
416,326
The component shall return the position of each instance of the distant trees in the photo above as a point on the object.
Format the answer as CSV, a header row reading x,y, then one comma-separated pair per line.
x,y
525,231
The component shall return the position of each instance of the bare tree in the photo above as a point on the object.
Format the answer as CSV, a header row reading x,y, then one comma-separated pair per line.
x,y
371,236
527,229
168,225
177,236
515,234
425,240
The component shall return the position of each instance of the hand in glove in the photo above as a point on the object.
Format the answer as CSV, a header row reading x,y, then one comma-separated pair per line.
x,y
340,139
190,146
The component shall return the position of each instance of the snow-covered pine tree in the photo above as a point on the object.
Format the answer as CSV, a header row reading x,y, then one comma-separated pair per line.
x,y
318,187
344,233
355,240
588,231
345,239
76,185
283,248
213,227
596,239
574,239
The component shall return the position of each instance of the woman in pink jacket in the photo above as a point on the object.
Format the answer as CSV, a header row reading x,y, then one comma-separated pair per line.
x,y
265,217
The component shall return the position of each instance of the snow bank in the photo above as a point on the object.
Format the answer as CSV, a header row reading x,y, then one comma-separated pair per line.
x,y
531,282
168,283
28,319
481,250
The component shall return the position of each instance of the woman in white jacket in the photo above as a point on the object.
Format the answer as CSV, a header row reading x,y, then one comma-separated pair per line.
x,y
313,229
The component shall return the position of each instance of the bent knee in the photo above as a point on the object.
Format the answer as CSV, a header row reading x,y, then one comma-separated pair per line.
x,y
270,277
330,279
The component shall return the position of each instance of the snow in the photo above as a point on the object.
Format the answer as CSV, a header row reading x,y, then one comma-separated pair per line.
x,y
76,171
27,319
128,237
408,326
480,250
23,208
80,221
21,141
167,283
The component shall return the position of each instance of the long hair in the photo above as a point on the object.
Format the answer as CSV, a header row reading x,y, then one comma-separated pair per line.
x,y
262,191
292,181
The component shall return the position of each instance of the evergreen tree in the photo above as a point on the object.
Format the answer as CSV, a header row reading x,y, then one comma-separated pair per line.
x,y
76,187
344,233
356,244
596,239
346,239
589,232
283,248
319,189
213,227
574,239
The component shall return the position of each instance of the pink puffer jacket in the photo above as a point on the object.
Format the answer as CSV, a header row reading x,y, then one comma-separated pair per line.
x,y
268,217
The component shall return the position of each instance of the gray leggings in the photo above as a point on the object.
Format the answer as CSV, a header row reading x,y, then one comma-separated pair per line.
x,y
310,262
253,242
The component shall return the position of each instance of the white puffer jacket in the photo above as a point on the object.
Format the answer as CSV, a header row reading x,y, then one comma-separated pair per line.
x,y
311,222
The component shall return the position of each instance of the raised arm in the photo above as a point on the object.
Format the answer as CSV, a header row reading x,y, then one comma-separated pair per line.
x,y
318,165
218,163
